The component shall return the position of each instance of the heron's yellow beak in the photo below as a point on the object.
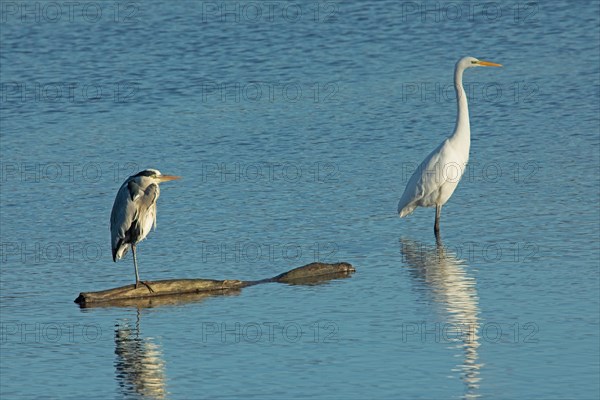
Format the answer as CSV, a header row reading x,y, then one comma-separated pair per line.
x,y
165,178
488,64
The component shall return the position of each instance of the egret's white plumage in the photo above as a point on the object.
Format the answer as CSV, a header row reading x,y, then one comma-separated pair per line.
x,y
134,212
434,181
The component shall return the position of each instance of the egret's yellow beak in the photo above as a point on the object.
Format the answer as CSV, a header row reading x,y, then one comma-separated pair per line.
x,y
488,64
165,178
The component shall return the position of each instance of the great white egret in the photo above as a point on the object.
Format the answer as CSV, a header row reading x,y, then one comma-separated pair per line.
x,y
434,181
134,213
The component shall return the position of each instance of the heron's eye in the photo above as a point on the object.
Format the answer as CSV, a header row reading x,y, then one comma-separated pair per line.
x,y
473,62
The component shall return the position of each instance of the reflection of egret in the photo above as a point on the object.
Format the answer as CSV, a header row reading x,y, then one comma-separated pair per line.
x,y
444,274
140,366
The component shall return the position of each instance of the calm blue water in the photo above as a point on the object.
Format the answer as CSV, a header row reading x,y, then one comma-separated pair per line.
x,y
295,127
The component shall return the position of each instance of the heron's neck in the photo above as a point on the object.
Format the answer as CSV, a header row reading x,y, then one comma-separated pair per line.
x,y
462,130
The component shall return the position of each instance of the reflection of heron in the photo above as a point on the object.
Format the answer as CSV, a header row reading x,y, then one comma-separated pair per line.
x,y
431,185
139,366
451,287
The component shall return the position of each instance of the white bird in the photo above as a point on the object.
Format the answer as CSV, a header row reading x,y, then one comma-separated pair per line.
x,y
434,181
134,213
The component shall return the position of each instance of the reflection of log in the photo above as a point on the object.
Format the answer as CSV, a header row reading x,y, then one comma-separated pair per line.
x,y
308,274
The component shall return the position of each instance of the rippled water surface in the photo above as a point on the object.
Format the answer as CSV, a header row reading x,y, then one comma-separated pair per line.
x,y
295,127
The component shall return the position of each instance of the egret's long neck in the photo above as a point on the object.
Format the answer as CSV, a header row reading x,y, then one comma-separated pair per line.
x,y
462,130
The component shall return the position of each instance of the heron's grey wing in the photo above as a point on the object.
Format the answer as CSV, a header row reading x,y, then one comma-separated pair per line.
x,y
147,203
148,199
130,215
146,206
121,218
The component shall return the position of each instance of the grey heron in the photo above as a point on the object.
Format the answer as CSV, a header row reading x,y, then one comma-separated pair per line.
x,y
434,181
134,213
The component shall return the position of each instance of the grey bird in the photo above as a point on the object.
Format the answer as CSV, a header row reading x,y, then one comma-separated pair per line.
x,y
134,214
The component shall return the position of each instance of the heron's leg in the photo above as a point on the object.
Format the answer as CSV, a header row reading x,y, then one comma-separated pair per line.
x,y
436,226
137,276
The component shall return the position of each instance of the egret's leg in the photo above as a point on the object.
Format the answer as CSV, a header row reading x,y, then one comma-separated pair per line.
x,y
438,242
436,226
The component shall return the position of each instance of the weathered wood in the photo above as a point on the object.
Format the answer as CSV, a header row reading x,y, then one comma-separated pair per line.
x,y
122,296
162,300
313,270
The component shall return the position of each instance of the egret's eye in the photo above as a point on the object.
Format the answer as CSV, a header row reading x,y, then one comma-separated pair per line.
x,y
473,62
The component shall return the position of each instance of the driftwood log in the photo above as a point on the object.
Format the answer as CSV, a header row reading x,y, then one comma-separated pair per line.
x,y
168,291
